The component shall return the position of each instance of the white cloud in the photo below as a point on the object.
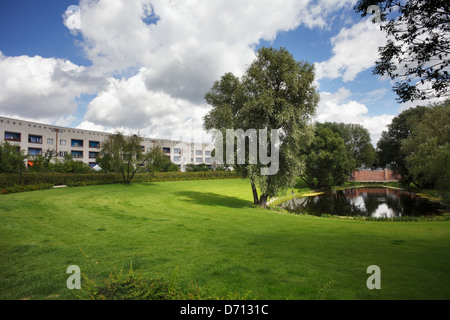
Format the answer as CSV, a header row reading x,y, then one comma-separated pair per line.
x,y
338,107
175,59
153,60
40,87
130,104
355,49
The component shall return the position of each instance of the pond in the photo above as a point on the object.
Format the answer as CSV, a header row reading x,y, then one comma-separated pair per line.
x,y
369,202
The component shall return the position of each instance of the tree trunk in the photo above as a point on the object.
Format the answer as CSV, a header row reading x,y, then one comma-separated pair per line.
x,y
263,201
255,193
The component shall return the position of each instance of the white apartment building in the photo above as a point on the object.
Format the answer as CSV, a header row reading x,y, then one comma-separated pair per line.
x,y
84,145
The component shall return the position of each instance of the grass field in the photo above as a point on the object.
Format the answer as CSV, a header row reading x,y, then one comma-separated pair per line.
x,y
210,233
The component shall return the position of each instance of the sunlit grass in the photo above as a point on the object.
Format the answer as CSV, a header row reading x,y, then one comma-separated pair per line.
x,y
210,233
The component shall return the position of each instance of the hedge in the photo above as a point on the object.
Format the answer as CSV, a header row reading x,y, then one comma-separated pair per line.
x,y
11,182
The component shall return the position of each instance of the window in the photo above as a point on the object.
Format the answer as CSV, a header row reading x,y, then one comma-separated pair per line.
x,y
93,155
94,144
208,153
34,139
177,150
208,160
34,151
177,159
62,142
63,154
198,159
49,141
198,152
77,154
166,150
92,164
77,143
12,136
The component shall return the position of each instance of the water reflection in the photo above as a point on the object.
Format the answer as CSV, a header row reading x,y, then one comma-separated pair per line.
x,y
370,202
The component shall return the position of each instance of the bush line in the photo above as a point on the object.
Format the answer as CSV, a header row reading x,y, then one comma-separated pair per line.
x,y
10,183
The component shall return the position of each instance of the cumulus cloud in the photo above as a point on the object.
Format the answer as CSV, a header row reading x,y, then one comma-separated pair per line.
x,y
355,49
339,107
40,87
154,60
129,103
175,51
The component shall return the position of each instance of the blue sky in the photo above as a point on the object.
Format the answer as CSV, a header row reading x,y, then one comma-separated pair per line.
x,y
145,65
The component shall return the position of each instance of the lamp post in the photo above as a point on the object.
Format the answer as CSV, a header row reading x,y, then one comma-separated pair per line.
x,y
56,142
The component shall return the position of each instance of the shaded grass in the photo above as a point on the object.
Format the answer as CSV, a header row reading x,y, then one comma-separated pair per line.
x,y
214,236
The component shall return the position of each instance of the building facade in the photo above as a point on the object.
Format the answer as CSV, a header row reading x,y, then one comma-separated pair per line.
x,y
84,145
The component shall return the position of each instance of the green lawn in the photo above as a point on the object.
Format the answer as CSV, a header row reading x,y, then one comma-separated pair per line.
x,y
210,233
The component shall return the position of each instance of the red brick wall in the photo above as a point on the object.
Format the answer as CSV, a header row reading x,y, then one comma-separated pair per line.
x,y
380,175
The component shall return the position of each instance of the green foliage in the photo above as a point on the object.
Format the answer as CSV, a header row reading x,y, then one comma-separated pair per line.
x,y
198,168
134,286
427,149
275,93
10,183
123,154
328,161
417,50
11,159
357,140
389,146
159,162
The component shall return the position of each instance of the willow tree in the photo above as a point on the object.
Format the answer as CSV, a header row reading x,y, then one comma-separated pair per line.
x,y
276,93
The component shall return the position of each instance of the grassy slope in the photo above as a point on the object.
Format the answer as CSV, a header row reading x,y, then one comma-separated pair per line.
x,y
210,233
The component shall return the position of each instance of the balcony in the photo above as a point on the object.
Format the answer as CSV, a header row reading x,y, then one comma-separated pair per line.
x,y
12,136
77,154
34,151
77,143
94,144
166,150
34,139
93,155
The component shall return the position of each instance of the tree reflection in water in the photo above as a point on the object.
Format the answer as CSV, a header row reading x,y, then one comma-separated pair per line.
x,y
370,202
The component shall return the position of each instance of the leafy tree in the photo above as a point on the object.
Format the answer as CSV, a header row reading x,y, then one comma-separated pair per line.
x,y
328,161
159,162
275,93
427,149
123,154
69,165
357,140
389,146
41,163
418,46
12,160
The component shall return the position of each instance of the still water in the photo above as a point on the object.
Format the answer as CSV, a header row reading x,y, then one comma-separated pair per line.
x,y
369,202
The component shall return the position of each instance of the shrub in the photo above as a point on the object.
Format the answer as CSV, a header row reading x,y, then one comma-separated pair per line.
x,y
133,286
10,182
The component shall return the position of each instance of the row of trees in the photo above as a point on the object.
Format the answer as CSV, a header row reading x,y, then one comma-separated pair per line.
x,y
417,146
14,161
119,154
